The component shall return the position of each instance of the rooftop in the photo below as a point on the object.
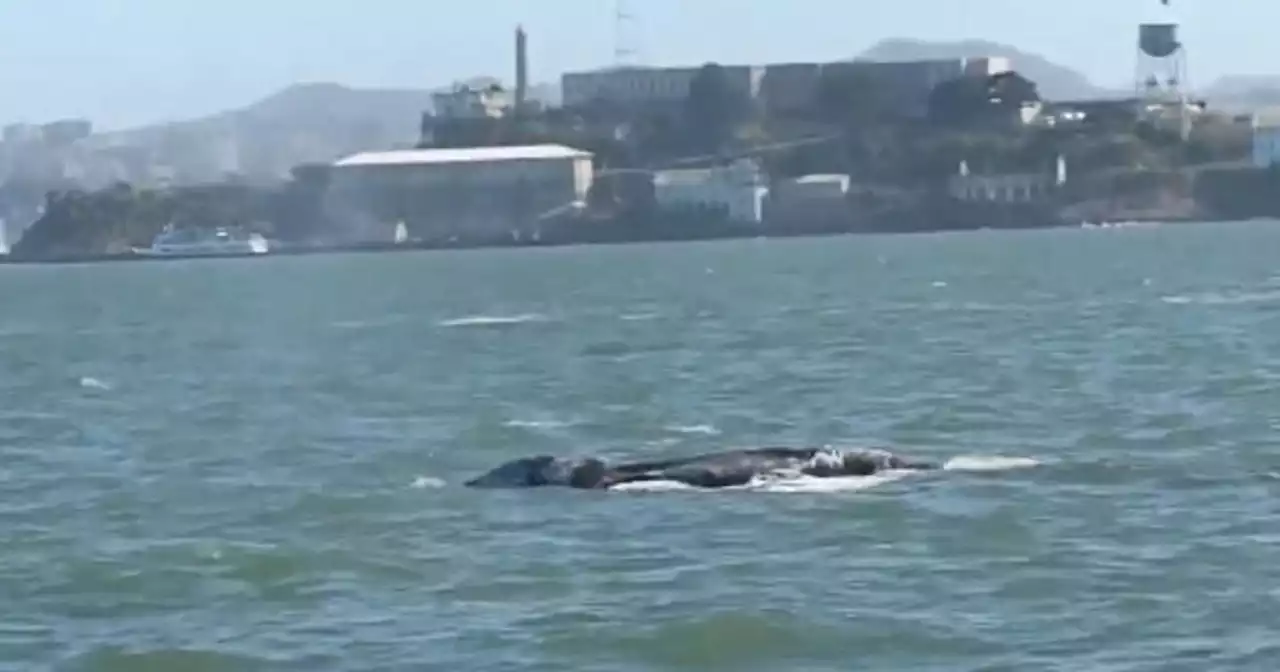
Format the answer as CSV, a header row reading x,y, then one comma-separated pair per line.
x,y
407,157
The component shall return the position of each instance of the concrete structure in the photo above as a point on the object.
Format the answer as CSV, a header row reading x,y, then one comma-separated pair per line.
x,y
735,192
907,85
19,134
643,87
810,202
471,193
522,70
1008,187
66,131
788,88
469,102
781,88
793,87
1266,139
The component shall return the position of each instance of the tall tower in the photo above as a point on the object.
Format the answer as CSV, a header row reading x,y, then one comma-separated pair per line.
x,y
522,70
1161,82
1161,73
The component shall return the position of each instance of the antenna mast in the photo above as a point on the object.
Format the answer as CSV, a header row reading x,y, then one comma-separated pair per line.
x,y
624,47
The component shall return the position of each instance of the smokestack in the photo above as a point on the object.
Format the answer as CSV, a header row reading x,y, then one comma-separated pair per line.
x,y
522,70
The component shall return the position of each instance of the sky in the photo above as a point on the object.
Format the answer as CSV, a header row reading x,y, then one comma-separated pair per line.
x,y
123,63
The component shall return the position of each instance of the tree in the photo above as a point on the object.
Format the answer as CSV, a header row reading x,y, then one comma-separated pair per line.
x,y
713,108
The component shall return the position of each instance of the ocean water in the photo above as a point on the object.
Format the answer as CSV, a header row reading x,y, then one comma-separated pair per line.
x,y
255,464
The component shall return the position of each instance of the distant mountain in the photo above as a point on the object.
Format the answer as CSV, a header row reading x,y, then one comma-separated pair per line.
x,y
1244,91
1055,81
304,123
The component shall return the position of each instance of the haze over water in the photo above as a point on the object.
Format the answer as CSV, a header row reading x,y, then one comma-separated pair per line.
x,y
254,465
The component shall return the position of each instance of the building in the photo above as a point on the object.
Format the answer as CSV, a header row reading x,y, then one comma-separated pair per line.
x,y
788,88
649,87
907,85
466,101
66,131
735,192
22,134
474,193
817,202
1266,139
781,87
1006,188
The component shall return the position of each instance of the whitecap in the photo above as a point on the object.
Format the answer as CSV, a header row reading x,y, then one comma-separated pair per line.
x,y
427,483
492,320
1223,299
705,430
989,463
538,424
364,324
90,383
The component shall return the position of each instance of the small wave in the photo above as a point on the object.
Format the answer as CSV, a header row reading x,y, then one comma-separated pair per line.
x,y
1220,299
978,307
364,324
492,320
989,463
89,383
538,424
939,283
705,430
639,317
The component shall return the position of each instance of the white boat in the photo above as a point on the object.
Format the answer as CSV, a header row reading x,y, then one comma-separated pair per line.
x,y
205,243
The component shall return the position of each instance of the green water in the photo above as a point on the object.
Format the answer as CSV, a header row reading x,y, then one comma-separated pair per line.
x,y
253,464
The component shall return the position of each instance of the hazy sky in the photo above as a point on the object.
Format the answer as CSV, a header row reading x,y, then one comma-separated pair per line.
x,y
129,62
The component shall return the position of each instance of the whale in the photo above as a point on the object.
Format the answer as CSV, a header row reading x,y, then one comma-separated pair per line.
x,y
722,469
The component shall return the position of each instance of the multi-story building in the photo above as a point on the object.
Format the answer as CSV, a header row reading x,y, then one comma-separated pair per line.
x,y
789,88
66,131
907,85
780,88
648,87
465,194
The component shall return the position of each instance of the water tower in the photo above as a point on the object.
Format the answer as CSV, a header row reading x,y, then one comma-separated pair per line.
x,y
1161,76
1160,82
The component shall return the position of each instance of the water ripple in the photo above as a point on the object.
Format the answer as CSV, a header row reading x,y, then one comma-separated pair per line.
x,y
263,480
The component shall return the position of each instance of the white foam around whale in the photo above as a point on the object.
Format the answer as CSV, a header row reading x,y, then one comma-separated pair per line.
x,y
800,483
989,463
